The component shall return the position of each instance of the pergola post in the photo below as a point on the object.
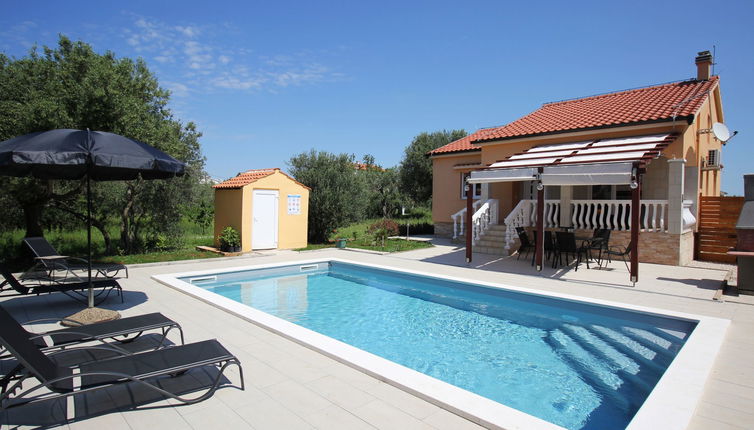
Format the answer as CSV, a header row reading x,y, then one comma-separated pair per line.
x,y
469,214
540,242
635,227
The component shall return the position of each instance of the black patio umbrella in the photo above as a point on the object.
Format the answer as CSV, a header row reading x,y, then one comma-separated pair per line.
x,y
77,154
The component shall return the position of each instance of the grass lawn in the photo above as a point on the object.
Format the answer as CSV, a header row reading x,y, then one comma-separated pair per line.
x,y
154,257
358,235
391,245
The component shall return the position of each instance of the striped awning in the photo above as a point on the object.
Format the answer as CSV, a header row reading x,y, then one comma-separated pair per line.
x,y
590,162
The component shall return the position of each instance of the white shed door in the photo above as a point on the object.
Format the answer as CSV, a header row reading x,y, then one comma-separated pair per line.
x,y
264,229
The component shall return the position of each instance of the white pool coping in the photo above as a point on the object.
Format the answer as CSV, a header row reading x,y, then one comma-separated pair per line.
x,y
670,405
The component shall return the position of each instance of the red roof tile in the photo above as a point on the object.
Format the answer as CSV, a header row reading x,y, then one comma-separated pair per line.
x,y
654,103
245,178
630,107
462,144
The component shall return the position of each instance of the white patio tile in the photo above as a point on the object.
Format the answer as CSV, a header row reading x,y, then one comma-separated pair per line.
x,y
444,420
339,392
270,414
385,416
335,418
297,397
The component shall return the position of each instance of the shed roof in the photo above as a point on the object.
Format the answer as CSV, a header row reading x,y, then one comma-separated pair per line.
x,y
250,176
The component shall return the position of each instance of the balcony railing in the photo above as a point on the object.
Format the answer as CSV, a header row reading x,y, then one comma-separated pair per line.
x,y
589,215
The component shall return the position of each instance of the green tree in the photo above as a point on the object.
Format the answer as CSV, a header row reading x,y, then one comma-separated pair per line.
x,y
71,86
336,196
381,189
416,167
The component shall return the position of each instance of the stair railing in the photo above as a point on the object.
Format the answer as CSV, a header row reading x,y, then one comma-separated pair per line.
x,y
459,219
485,216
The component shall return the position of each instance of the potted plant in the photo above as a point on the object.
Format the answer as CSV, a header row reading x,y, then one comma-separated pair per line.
x,y
230,240
340,242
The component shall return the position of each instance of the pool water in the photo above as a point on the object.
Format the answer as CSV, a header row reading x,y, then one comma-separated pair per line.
x,y
577,365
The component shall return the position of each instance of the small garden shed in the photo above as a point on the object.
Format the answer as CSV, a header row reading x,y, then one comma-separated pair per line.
x,y
268,208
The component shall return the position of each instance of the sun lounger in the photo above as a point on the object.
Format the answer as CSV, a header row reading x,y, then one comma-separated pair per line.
x,y
53,263
75,290
56,381
123,330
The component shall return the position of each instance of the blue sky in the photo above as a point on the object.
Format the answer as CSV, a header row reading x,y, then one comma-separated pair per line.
x,y
268,80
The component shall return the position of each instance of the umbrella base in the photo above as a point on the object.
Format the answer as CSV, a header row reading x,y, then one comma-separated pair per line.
x,y
90,316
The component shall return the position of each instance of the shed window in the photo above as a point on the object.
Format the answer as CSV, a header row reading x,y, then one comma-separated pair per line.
x,y
294,204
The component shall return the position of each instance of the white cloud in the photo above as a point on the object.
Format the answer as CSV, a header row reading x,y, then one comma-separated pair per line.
x,y
189,54
238,83
177,89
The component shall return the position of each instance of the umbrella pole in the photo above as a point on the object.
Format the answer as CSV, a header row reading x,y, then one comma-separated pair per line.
x,y
90,294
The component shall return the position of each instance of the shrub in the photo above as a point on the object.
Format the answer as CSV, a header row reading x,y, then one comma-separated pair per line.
x,y
229,237
383,229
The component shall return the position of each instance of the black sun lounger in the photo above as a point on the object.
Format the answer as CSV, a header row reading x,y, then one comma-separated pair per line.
x,y
56,381
51,262
74,290
123,330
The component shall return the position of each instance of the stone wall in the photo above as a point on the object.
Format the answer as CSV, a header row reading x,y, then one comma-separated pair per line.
x,y
656,247
444,229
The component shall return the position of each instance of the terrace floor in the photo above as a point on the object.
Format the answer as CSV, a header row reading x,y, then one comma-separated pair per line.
x,y
290,386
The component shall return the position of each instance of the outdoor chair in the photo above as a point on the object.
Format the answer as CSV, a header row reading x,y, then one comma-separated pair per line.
x,y
615,251
124,330
75,290
566,244
51,262
600,242
142,368
526,244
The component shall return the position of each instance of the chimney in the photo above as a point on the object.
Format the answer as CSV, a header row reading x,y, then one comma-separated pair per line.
x,y
703,66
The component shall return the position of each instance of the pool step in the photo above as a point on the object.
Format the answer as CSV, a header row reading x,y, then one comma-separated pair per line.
x,y
658,342
633,348
633,375
592,365
596,344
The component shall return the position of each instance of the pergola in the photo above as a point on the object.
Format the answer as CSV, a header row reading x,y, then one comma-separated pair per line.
x,y
615,161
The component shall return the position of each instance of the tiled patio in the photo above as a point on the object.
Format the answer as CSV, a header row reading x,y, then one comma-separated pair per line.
x,y
289,386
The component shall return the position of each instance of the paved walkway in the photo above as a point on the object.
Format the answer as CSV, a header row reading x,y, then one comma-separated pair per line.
x,y
290,386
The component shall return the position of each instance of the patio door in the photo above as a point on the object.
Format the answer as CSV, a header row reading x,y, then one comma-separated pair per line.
x,y
264,228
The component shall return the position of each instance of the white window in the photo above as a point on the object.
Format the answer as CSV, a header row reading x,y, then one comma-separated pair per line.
x,y
294,204
477,188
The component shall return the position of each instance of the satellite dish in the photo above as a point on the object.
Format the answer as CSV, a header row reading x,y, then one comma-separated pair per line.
x,y
721,131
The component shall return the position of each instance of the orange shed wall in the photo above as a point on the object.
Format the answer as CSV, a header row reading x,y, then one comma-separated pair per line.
x,y
228,210
446,185
292,229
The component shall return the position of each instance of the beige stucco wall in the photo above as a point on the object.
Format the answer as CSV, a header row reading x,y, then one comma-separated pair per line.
x,y
234,207
446,185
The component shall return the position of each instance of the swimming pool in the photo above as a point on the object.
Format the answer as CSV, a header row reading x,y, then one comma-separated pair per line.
x,y
577,365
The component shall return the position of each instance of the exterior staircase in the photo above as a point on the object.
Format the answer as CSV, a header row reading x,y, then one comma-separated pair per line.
x,y
492,241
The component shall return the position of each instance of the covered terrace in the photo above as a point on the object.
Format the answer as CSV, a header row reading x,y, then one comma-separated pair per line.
x,y
616,161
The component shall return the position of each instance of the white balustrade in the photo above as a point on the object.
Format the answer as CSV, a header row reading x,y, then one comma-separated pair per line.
x,y
519,217
459,219
689,220
483,218
592,214
616,215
